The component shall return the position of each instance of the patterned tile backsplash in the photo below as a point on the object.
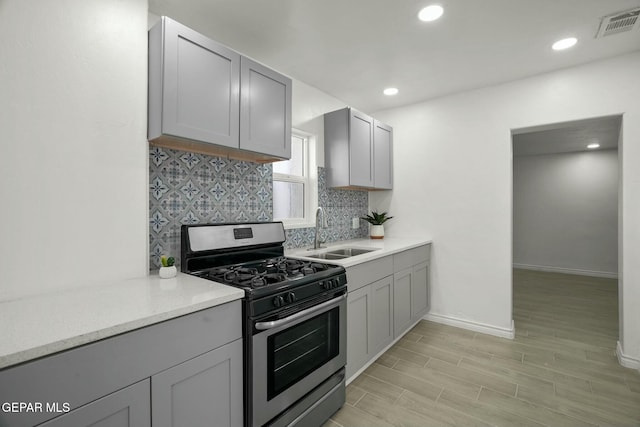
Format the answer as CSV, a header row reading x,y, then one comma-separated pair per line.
x,y
188,188
340,206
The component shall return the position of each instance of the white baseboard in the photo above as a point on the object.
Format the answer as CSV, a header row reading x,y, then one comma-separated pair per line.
x,y
605,274
473,326
627,361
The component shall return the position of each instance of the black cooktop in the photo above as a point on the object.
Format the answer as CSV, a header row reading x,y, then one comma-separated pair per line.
x,y
263,273
251,256
270,275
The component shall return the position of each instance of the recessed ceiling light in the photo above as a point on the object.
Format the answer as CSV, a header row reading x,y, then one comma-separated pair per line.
x,y
564,43
430,13
390,91
592,146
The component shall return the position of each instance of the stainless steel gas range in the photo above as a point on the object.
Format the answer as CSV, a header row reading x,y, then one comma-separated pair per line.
x,y
294,320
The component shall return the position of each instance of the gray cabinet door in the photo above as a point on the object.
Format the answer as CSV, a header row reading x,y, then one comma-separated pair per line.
x,y
197,89
203,391
360,149
383,156
358,323
420,291
265,110
129,407
402,301
381,314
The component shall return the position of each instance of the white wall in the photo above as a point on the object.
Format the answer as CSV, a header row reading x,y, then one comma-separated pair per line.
x,y
309,107
73,168
565,212
452,164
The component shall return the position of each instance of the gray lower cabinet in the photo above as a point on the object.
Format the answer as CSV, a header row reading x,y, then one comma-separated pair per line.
x,y
381,307
369,322
207,98
358,151
410,296
186,371
410,287
419,291
203,391
128,407
358,324
402,284
382,331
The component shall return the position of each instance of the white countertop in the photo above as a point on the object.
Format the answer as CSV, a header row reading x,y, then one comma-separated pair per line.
x,y
383,247
40,325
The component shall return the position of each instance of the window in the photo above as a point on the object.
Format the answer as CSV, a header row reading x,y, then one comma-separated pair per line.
x,y
295,191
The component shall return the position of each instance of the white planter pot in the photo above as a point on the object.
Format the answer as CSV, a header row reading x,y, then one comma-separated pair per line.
x,y
376,231
168,272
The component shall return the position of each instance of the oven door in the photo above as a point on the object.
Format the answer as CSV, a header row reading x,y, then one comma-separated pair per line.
x,y
294,355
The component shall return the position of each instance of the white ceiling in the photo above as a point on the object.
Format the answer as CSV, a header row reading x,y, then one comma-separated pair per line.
x,y
352,49
568,137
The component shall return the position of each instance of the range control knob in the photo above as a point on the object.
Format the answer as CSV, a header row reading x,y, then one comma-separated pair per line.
x,y
278,301
291,297
324,285
333,284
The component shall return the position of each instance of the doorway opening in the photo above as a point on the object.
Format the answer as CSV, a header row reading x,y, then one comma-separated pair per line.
x,y
565,219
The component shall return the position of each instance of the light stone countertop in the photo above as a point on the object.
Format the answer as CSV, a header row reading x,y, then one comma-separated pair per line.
x,y
383,247
40,325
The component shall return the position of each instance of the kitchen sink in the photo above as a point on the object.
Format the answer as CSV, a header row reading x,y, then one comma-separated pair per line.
x,y
328,255
347,252
341,253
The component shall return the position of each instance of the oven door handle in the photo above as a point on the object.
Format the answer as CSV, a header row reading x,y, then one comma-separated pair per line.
x,y
262,326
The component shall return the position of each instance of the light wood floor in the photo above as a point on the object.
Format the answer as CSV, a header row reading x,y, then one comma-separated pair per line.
x,y
560,370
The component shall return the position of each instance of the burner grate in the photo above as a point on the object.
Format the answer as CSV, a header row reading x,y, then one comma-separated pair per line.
x,y
264,273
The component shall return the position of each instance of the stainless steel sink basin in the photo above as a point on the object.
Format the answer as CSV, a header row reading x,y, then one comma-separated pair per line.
x,y
347,252
328,255
340,253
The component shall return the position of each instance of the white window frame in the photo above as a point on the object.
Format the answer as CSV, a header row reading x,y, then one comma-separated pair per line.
x,y
309,182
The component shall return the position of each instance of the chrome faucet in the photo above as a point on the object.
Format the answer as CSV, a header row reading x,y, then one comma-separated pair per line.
x,y
317,243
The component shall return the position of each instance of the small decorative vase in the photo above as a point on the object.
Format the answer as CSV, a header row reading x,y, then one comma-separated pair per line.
x,y
376,231
168,272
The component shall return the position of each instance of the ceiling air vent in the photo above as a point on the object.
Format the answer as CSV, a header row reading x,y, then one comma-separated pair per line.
x,y
619,23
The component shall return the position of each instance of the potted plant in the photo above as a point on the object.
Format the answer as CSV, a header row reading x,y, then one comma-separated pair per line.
x,y
376,231
168,269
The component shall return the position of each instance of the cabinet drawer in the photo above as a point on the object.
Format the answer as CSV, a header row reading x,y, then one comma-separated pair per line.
x,y
368,272
411,257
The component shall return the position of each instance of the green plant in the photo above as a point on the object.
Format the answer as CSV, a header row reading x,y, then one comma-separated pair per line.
x,y
376,218
167,261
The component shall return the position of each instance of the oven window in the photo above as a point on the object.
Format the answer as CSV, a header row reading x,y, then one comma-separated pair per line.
x,y
300,349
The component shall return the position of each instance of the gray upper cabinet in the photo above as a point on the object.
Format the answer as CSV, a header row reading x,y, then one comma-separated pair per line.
x,y
383,156
196,94
358,151
265,110
207,98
